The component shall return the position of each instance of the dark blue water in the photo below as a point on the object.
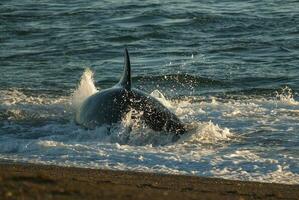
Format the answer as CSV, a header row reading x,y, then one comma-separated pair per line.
x,y
229,65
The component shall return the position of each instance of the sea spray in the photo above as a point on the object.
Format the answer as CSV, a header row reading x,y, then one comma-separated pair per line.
x,y
286,96
160,97
85,89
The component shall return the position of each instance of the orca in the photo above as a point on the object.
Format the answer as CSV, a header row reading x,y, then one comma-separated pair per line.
x,y
109,106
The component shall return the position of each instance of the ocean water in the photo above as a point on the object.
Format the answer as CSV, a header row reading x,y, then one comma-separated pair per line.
x,y
228,69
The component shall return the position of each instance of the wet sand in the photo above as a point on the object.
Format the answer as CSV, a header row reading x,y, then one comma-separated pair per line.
x,y
26,181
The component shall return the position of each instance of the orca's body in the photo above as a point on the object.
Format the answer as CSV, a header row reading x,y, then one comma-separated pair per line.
x,y
109,106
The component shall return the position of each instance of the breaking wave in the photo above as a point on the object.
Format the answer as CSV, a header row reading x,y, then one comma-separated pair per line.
x,y
226,136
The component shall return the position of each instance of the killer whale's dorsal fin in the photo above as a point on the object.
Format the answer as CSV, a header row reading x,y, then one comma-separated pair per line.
x,y
125,80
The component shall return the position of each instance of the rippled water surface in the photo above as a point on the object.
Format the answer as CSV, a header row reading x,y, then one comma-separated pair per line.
x,y
228,69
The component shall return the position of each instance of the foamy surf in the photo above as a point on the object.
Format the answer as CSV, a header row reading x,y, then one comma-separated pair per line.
x,y
225,136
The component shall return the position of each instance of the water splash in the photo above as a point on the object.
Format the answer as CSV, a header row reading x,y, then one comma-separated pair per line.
x,y
159,96
210,148
85,89
208,133
286,96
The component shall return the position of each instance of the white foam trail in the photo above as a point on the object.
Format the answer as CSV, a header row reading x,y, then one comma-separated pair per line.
x,y
85,89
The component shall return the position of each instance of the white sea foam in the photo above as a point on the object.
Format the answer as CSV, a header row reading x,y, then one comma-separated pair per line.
x,y
15,97
17,106
245,139
210,133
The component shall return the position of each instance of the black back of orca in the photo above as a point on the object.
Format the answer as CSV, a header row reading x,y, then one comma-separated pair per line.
x,y
109,106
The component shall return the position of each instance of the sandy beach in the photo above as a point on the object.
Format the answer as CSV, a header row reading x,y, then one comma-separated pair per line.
x,y
26,181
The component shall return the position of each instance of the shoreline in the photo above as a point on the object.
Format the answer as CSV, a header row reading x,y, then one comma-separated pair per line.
x,y
32,181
